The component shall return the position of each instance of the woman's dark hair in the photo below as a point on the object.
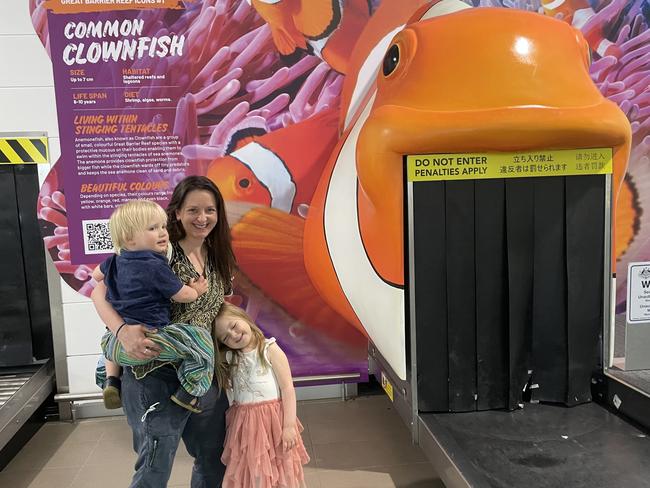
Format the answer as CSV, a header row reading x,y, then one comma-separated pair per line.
x,y
218,241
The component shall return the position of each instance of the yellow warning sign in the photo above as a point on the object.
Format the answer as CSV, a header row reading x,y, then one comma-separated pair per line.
x,y
387,386
23,150
477,166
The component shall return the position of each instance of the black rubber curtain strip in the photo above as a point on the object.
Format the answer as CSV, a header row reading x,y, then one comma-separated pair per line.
x,y
15,333
461,295
431,296
549,348
585,197
491,295
520,248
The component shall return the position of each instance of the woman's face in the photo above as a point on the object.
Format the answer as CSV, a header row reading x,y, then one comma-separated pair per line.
x,y
198,214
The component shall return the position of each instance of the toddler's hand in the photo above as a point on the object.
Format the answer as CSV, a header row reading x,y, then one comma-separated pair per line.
x,y
289,438
200,285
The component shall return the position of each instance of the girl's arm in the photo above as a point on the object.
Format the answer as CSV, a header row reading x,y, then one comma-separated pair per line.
x,y
131,337
282,371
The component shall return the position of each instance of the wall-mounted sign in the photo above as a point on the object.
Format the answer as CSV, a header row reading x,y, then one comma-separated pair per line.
x,y
522,164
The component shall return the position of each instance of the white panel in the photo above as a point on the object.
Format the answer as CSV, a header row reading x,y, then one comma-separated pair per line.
x,y
27,62
15,17
81,373
83,329
68,295
55,149
43,170
28,109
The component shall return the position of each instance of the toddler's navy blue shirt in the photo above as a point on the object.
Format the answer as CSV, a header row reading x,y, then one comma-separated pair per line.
x,y
139,286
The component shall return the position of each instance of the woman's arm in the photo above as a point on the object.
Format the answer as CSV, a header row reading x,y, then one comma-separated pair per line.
x,y
132,337
282,371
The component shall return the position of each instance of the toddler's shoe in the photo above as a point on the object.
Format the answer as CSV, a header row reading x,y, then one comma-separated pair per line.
x,y
111,392
187,401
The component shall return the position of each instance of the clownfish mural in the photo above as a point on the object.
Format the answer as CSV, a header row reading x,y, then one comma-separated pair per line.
x,y
580,14
326,28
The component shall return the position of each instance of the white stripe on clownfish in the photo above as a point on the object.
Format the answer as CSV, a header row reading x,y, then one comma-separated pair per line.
x,y
553,5
355,272
368,73
271,171
580,17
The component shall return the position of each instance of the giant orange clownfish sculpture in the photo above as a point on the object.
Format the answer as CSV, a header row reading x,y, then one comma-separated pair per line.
x,y
430,87
524,86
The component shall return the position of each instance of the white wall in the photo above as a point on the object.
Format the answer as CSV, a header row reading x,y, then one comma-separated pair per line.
x,y
27,103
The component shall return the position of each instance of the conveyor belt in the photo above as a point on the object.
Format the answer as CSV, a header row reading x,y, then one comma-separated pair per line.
x,y
22,391
545,446
10,384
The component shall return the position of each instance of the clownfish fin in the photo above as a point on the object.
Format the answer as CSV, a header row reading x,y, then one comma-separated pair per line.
x,y
279,18
268,244
628,216
320,19
283,41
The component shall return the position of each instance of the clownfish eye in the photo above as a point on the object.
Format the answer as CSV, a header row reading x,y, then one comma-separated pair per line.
x,y
244,183
391,60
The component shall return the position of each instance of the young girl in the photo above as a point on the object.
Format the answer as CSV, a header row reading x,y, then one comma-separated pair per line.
x,y
263,447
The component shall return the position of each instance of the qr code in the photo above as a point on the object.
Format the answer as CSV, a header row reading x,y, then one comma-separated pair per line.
x,y
97,236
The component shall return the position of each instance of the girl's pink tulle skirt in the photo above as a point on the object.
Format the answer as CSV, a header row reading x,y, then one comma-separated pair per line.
x,y
253,452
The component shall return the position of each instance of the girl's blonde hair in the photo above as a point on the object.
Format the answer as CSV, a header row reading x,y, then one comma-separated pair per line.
x,y
131,217
224,369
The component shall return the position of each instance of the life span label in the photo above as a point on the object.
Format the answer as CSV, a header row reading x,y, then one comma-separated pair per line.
x,y
478,166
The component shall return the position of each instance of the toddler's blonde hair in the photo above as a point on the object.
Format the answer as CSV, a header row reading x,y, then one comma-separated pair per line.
x,y
131,217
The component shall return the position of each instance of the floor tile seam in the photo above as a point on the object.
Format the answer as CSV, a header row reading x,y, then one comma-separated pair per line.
x,y
348,441
90,456
74,478
358,468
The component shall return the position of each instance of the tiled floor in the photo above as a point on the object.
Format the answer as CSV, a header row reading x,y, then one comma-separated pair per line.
x,y
360,443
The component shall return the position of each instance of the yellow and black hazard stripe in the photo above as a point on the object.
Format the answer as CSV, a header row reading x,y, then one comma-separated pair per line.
x,y
23,150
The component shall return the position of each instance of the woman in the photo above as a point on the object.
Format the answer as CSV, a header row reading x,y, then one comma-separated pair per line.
x,y
200,246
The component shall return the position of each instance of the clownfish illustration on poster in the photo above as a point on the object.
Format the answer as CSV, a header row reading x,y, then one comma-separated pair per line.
x,y
326,28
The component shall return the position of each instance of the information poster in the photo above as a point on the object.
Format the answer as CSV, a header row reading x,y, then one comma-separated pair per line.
x,y
116,92
151,91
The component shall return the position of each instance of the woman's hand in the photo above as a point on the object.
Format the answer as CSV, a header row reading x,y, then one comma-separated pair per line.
x,y
289,437
136,344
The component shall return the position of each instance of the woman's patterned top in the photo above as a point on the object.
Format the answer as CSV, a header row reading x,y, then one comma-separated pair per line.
x,y
202,311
